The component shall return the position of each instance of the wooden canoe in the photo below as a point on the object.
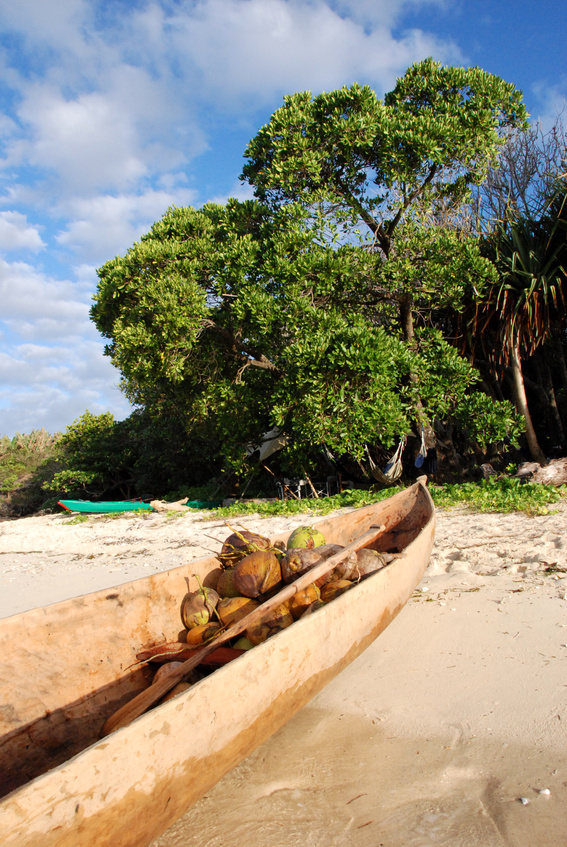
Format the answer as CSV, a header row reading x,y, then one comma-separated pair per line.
x,y
66,668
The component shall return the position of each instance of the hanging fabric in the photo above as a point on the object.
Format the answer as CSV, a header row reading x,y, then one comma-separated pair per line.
x,y
422,455
393,469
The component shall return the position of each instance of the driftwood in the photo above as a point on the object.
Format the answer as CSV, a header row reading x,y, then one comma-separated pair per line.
x,y
554,473
163,506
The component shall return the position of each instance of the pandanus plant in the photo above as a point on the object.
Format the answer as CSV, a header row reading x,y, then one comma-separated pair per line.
x,y
519,312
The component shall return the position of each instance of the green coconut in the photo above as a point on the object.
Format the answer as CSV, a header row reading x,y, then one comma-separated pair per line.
x,y
305,536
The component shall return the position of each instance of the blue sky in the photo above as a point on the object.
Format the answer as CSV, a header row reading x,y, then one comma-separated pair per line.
x,y
113,110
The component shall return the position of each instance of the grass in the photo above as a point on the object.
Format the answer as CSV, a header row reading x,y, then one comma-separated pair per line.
x,y
494,495
506,494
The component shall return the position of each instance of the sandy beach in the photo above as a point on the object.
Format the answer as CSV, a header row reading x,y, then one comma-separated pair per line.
x,y
451,729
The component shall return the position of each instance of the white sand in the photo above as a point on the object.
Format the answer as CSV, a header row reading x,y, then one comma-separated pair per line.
x,y
430,738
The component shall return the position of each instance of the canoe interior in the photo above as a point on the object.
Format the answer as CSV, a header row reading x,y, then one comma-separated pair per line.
x,y
66,668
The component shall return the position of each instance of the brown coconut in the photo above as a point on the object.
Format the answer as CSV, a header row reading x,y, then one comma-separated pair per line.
x,y
299,560
198,635
361,564
278,619
225,585
240,544
301,601
332,589
318,604
257,573
232,609
178,689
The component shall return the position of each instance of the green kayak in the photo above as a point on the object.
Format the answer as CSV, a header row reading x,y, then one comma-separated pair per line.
x,y
105,506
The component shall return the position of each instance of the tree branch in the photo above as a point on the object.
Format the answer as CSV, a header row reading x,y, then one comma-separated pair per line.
x,y
410,198
242,351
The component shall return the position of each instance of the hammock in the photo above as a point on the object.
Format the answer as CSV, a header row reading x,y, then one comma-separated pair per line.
x,y
422,455
393,469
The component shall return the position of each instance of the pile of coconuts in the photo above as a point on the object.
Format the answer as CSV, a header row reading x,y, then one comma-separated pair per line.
x,y
254,570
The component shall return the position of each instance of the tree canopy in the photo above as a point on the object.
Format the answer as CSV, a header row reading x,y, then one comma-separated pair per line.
x,y
315,307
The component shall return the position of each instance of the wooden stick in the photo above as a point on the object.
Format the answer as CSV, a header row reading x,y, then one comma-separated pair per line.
x,y
313,489
295,497
147,698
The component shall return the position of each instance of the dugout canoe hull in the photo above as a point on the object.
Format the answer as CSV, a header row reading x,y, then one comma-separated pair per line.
x,y
66,668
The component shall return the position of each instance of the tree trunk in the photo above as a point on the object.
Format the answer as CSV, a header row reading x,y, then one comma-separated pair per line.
x,y
522,406
554,343
406,319
547,380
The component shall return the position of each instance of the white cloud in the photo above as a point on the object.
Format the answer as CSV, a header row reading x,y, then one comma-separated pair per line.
x,y
110,104
35,306
17,234
45,387
248,51
102,227
553,104
58,23
240,191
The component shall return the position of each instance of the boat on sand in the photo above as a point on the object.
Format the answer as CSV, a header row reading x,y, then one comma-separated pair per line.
x,y
105,507
68,668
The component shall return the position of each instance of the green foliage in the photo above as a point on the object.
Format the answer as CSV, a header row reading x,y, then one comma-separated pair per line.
x,y
528,299
25,461
353,498
498,494
485,422
142,456
502,494
432,137
297,311
95,450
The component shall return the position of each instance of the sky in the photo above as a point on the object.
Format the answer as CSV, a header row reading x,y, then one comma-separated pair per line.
x,y
111,111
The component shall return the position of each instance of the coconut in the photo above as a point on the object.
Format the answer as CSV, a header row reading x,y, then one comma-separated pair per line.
x,y
305,536
240,544
334,588
368,561
198,635
299,560
303,599
164,671
178,689
225,585
232,609
361,564
198,607
279,619
318,604
257,573
243,644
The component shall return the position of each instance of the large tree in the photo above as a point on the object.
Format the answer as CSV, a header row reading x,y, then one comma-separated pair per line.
x,y
236,319
379,168
395,174
284,312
